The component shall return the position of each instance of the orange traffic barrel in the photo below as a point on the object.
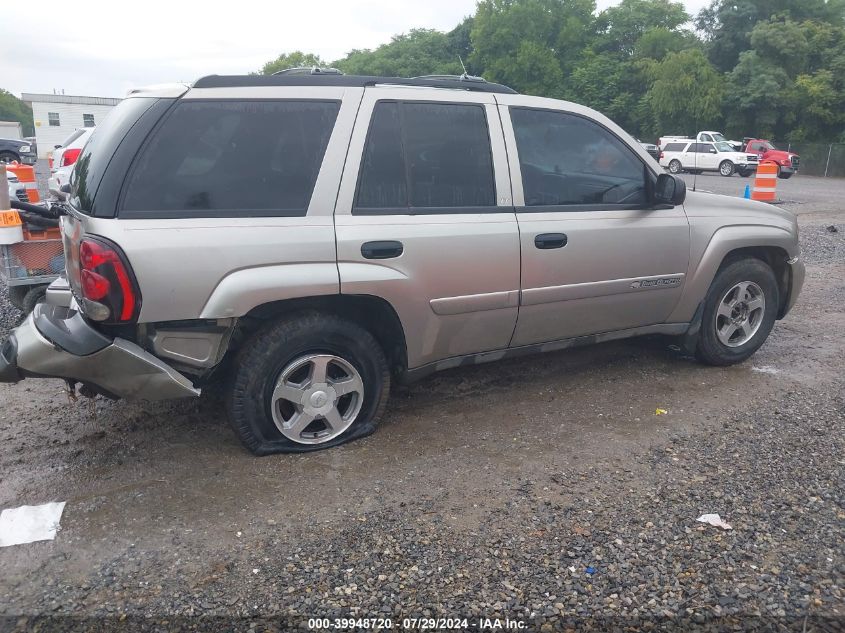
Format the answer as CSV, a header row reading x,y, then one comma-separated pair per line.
x,y
26,174
765,183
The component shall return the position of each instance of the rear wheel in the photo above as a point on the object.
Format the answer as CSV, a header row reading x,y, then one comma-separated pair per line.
x,y
739,312
34,296
307,382
726,168
674,166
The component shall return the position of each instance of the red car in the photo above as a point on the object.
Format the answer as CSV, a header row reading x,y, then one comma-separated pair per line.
x,y
787,162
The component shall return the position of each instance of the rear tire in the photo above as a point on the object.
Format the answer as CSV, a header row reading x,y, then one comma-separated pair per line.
x,y
675,166
733,299
34,296
726,168
16,295
283,359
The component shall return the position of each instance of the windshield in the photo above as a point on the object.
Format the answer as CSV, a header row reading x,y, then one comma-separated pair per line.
x,y
724,147
719,137
766,145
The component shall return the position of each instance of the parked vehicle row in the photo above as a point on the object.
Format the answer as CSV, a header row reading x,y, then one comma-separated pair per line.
x,y
710,142
382,229
697,157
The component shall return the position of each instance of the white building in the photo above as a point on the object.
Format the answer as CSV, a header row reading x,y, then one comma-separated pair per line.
x,y
56,116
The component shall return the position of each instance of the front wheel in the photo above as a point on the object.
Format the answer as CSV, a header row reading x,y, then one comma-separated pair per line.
x,y
783,175
739,312
726,168
745,173
675,166
306,382
9,157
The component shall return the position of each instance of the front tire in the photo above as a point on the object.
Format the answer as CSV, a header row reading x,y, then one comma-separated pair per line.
x,y
9,157
739,312
783,175
726,168
675,166
307,382
745,173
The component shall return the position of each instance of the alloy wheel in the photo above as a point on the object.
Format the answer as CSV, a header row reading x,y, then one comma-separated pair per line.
x,y
316,398
740,314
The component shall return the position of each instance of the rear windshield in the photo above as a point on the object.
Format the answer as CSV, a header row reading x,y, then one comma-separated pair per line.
x,y
101,146
73,136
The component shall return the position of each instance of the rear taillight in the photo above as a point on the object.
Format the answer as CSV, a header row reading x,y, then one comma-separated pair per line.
x,y
108,287
69,157
50,161
661,154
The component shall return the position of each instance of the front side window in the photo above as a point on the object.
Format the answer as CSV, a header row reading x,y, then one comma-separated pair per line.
x,y
53,118
232,158
705,148
706,137
425,157
87,120
567,159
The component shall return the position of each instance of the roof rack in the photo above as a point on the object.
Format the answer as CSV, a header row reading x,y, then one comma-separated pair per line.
x,y
306,77
308,70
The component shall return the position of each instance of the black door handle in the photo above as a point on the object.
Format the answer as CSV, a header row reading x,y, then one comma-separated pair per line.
x,y
550,240
382,250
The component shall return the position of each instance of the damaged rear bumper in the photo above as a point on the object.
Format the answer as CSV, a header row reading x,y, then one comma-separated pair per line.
x,y
57,342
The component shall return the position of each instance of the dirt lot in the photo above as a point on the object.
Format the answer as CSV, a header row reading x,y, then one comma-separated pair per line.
x,y
545,490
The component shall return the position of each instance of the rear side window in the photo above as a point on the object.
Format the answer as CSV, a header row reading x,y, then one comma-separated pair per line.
x,y
426,158
101,146
674,147
232,158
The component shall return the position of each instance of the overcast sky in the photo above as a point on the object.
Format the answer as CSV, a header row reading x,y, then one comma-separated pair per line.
x,y
103,48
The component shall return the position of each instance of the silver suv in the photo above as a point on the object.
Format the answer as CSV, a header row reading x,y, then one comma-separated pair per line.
x,y
304,240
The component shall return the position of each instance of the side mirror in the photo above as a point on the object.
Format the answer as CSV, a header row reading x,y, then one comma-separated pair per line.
x,y
670,190
56,146
712,150
65,188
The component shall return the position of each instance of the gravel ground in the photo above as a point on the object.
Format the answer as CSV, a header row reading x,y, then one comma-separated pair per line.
x,y
776,471
546,493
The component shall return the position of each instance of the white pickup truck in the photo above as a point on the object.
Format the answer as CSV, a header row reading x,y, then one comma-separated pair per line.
x,y
705,136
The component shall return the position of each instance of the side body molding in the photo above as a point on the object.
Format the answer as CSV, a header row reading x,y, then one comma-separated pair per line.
x,y
707,255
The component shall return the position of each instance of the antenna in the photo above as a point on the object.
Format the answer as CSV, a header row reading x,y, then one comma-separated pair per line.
x,y
695,171
462,65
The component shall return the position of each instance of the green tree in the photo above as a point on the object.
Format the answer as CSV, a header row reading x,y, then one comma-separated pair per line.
x,y
758,96
418,52
686,92
622,26
531,45
13,109
727,24
296,59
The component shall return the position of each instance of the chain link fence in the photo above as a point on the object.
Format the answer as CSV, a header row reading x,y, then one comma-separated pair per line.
x,y
819,159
